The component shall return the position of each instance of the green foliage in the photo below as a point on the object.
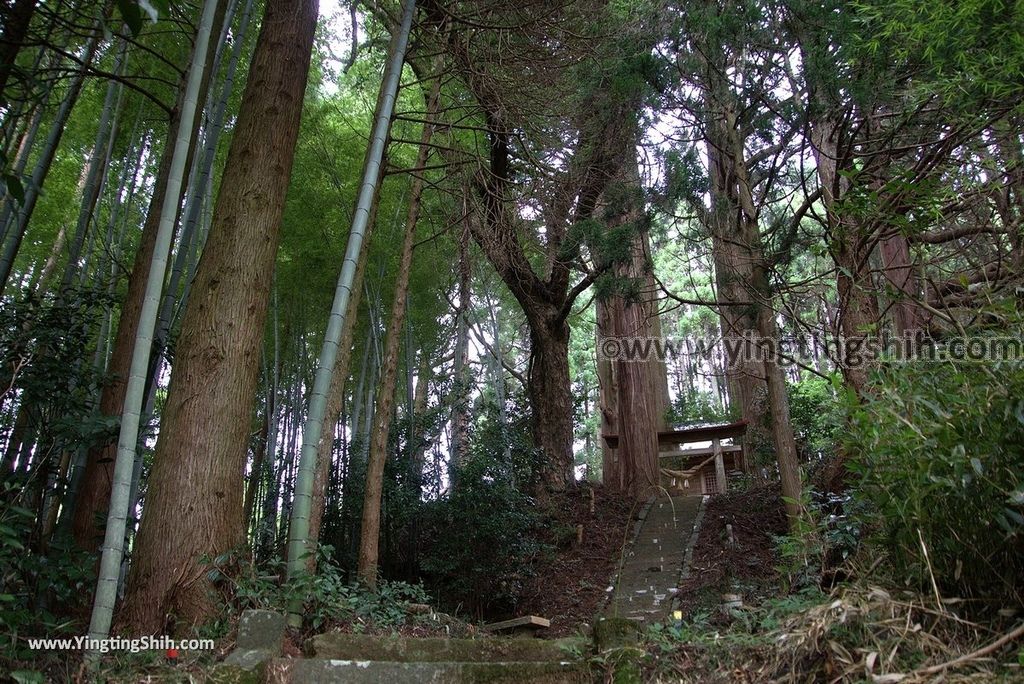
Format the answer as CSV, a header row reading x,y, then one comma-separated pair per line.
x,y
42,345
34,586
938,448
816,415
967,50
821,540
482,534
697,407
750,626
328,598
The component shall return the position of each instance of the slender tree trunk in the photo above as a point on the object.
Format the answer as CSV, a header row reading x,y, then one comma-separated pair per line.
x,y
369,538
463,379
767,327
299,527
336,396
417,442
201,454
12,241
95,170
608,405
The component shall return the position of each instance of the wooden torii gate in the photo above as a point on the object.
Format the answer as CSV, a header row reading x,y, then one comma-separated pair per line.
x,y
679,464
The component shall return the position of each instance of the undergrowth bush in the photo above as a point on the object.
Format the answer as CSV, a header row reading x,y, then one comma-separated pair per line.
x,y
328,598
939,449
37,591
816,416
481,537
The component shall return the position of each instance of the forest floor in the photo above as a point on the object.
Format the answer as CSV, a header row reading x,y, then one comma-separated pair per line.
x,y
747,566
570,586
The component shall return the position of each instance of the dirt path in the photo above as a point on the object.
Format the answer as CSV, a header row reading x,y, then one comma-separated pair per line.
x,y
649,577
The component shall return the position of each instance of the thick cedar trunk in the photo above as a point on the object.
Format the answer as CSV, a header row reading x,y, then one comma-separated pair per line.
x,y
94,495
640,386
638,406
194,499
550,395
369,538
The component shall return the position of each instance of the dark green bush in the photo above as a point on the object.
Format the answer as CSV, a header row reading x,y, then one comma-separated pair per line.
x,y
481,537
816,416
37,590
939,449
328,598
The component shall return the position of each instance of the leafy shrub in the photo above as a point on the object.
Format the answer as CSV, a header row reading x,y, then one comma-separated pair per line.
x,y
816,416
939,449
327,598
34,586
481,535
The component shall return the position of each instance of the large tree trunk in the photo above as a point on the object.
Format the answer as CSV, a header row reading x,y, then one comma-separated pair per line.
x,y
94,495
550,393
638,422
194,495
640,386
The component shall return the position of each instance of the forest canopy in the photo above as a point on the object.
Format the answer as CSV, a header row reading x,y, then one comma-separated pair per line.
x,y
308,305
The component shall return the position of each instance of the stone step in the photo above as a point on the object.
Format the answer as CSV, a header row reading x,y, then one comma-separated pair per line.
x,y
362,647
340,671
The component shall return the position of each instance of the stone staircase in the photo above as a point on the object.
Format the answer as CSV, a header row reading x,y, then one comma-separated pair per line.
x,y
643,594
355,658
649,575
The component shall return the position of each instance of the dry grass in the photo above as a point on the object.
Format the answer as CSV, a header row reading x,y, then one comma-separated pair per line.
x,y
857,634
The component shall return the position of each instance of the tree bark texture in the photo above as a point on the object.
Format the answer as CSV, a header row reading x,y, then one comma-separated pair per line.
x,y
194,506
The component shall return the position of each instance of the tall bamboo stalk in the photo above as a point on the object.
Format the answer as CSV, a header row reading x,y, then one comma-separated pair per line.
x,y
117,517
12,241
369,539
299,529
